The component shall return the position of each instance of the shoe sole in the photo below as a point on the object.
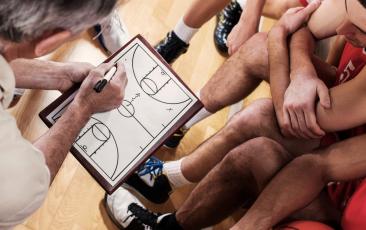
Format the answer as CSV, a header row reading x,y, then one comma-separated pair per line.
x,y
168,147
135,191
110,214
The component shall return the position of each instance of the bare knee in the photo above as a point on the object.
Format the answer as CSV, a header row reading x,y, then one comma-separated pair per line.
x,y
262,156
313,163
252,121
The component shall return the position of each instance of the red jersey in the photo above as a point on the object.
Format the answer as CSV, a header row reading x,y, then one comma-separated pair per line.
x,y
354,215
349,196
352,62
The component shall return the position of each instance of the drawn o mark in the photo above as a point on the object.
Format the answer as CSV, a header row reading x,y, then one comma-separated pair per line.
x,y
126,109
149,86
101,132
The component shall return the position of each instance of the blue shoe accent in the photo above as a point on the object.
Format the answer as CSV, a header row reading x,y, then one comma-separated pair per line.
x,y
150,182
153,166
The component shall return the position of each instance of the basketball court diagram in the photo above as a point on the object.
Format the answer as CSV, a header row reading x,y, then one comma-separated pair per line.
x,y
113,142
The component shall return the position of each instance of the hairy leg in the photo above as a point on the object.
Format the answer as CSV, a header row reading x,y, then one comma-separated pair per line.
x,y
234,181
243,72
238,76
202,11
304,178
256,120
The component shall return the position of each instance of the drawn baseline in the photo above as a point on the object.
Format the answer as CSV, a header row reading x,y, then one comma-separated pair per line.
x,y
101,137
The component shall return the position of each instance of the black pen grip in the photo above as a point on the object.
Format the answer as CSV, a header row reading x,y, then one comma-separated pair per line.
x,y
100,85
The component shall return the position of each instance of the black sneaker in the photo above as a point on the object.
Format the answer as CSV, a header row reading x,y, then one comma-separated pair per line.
x,y
174,140
149,181
171,47
226,20
127,212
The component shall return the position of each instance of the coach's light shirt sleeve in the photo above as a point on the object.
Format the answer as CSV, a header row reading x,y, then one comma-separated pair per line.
x,y
24,176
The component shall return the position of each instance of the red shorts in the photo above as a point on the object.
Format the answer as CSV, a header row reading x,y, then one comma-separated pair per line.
x,y
304,225
350,198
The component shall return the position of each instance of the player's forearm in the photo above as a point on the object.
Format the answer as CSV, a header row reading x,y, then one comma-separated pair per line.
x,y
251,14
301,51
278,66
56,143
348,106
38,74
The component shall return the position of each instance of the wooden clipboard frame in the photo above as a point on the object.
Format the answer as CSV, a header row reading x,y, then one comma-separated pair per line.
x,y
95,174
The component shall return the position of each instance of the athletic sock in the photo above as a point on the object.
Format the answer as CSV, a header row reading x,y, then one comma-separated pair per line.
x,y
184,32
242,3
168,222
202,114
173,171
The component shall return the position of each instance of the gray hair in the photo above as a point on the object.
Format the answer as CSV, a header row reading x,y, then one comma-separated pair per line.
x,y
22,20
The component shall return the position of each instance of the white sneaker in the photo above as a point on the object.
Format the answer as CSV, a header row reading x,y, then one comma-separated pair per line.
x,y
127,212
111,33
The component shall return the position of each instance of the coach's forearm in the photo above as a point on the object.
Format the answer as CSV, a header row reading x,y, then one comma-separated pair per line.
x,y
38,74
56,143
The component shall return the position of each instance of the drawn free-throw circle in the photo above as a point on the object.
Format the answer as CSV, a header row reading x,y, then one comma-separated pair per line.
x,y
126,109
101,132
149,86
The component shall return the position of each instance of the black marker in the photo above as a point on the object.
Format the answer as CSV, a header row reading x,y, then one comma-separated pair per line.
x,y
99,86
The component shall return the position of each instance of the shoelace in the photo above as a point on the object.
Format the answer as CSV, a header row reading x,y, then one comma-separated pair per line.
x,y
132,215
153,167
143,215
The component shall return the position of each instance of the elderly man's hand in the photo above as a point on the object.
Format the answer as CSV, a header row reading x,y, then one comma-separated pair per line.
x,y
112,95
73,72
294,18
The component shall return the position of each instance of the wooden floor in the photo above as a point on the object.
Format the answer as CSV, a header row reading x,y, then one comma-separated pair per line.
x,y
74,201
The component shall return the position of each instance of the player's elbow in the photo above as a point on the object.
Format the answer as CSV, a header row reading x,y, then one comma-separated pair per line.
x,y
326,119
